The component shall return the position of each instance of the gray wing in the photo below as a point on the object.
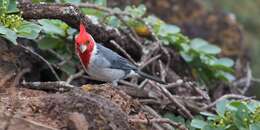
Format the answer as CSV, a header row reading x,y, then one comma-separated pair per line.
x,y
117,61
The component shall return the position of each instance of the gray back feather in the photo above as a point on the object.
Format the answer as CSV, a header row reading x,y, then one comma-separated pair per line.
x,y
112,60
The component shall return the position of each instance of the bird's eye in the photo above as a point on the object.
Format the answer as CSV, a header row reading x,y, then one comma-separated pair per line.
x,y
87,42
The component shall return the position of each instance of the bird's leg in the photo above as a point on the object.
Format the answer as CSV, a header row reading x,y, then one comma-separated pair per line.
x,y
115,83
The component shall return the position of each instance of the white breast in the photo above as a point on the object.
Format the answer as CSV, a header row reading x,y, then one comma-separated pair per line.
x,y
97,69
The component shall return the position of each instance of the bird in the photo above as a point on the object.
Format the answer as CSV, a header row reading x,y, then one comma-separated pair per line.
x,y
103,64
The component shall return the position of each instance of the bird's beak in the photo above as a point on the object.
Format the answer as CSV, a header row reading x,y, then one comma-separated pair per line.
x,y
83,48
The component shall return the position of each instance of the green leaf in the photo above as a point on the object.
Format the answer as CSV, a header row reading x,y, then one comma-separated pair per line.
x,y
100,2
222,68
136,12
93,12
185,47
229,77
255,126
196,43
201,45
155,22
8,34
209,127
210,49
152,20
241,114
206,59
172,117
3,30
253,105
12,7
113,22
72,1
94,19
225,76
227,62
52,27
233,106
71,32
29,30
167,29
186,57
221,107
196,123
48,42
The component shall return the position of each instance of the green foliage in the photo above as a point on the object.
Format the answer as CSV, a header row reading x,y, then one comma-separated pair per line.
x,y
8,34
201,55
49,42
54,27
58,37
231,115
28,30
136,12
71,1
13,25
179,119
6,19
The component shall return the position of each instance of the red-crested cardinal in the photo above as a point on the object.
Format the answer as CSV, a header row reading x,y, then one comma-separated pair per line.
x,y
103,64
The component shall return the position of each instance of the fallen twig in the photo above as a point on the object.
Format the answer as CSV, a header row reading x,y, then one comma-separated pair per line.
x,y
150,61
174,84
142,84
173,99
60,86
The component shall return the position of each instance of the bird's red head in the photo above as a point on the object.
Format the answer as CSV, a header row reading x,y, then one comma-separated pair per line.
x,y
84,44
83,39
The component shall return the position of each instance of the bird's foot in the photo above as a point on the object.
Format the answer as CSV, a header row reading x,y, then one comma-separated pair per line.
x,y
115,83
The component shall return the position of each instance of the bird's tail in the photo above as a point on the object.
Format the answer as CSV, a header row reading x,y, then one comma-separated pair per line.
x,y
150,77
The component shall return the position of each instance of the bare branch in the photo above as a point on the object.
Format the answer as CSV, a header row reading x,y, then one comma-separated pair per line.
x,y
74,76
150,61
227,96
43,59
123,51
19,76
